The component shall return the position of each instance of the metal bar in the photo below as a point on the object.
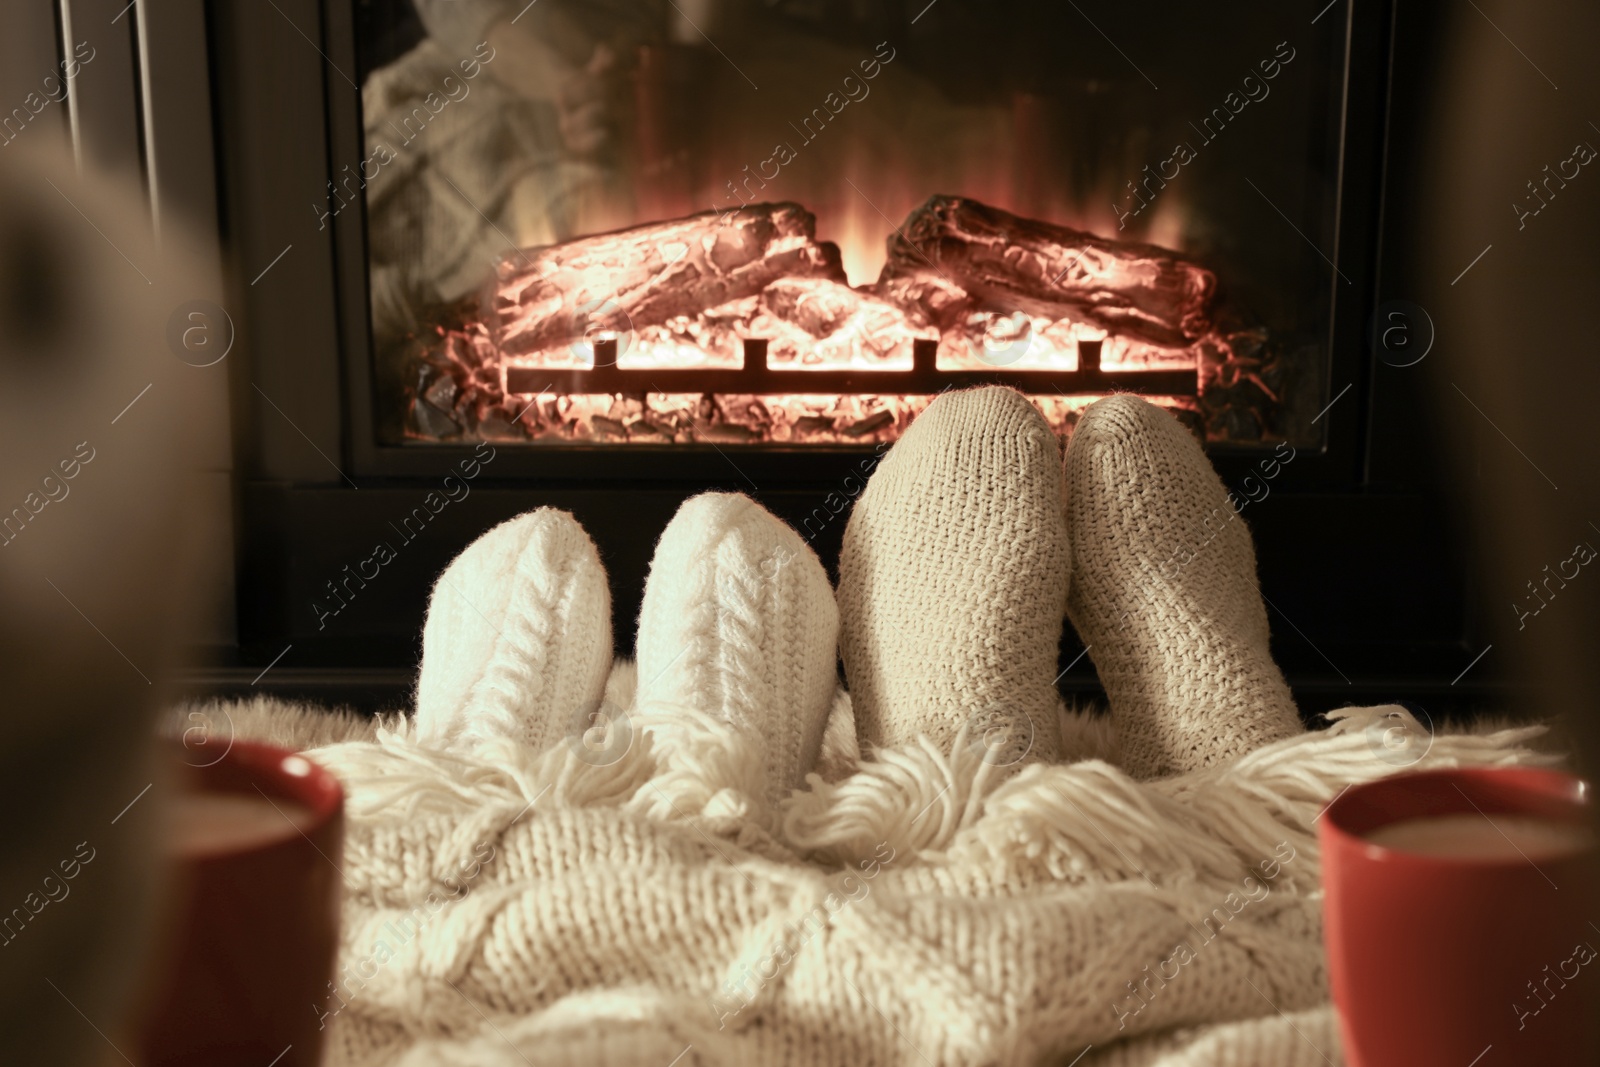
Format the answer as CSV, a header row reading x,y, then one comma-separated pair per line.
x,y
1089,356
761,381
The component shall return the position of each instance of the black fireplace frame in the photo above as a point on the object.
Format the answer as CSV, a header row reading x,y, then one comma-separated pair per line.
x,y
315,481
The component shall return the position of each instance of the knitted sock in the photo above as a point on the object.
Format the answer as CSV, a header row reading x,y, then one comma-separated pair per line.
x,y
1164,594
517,643
953,579
738,620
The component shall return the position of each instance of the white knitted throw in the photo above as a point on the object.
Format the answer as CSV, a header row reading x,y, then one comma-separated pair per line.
x,y
516,909
560,861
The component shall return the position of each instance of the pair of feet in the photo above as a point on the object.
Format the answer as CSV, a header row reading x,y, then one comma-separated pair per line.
x,y
969,545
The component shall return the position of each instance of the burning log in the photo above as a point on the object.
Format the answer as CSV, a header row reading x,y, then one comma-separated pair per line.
x,y
821,323
818,307
549,298
925,295
1042,269
747,330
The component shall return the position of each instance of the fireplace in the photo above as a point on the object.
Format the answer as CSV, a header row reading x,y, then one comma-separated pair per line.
x,y
799,246
607,256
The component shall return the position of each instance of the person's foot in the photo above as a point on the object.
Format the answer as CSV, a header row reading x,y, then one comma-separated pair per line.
x,y
517,644
739,621
953,581
1164,594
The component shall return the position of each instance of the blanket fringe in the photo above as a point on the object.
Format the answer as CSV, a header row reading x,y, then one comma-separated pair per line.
x,y
665,762
1090,821
395,777
1086,821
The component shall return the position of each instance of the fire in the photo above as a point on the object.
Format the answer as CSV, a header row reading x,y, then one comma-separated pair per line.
x,y
1012,166
593,340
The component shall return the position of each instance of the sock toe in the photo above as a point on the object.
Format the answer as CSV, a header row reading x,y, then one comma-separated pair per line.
x,y
517,643
739,620
1164,594
953,577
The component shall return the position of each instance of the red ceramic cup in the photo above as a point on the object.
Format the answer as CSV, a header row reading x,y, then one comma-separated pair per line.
x,y
250,946
1456,961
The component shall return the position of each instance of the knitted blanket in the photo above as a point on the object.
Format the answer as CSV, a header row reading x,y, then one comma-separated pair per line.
x,y
918,908
724,858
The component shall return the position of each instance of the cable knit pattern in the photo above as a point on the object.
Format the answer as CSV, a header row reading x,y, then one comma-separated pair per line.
x,y
953,581
1295,1039
517,644
738,621
1178,633
530,915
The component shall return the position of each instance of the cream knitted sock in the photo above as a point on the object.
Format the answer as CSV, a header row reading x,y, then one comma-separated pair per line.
x,y
738,620
953,580
1178,633
517,643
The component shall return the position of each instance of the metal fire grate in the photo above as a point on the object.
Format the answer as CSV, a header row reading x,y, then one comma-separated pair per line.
x,y
757,378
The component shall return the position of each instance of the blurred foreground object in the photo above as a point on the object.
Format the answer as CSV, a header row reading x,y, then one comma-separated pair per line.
x,y
98,420
1511,229
1514,375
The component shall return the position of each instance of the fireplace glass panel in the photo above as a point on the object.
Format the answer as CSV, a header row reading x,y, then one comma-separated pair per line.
x,y
631,222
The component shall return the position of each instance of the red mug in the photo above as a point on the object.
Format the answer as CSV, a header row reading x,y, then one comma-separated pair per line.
x,y
1454,960
249,948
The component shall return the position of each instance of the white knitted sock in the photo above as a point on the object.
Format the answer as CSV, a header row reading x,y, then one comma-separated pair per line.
x,y
953,580
518,638
1164,594
738,620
